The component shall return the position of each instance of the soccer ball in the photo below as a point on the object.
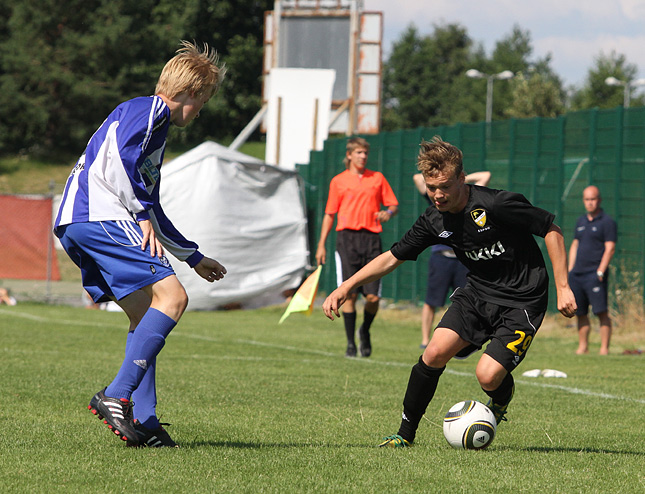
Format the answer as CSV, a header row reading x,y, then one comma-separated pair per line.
x,y
469,425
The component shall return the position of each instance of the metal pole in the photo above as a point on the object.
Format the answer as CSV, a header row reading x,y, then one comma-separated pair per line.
x,y
50,244
626,99
489,99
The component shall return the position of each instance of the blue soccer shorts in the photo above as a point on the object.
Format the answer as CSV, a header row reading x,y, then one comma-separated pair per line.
x,y
110,258
445,274
589,290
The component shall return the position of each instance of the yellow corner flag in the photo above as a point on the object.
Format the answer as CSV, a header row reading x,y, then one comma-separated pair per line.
x,y
303,299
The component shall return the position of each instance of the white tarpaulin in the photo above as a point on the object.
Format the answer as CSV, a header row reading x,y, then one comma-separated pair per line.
x,y
244,213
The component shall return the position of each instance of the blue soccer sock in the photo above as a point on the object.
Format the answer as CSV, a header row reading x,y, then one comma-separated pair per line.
x,y
142,347
145,399
145,396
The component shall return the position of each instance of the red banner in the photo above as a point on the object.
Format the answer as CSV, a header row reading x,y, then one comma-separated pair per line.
x,y
25,236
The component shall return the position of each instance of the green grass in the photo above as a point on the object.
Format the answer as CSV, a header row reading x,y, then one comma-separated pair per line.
x,y
262,407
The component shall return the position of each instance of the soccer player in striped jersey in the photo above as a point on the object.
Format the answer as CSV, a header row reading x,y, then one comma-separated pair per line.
x,y
111,224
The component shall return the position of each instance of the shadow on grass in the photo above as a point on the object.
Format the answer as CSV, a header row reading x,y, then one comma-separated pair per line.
x,y
555,449
244,445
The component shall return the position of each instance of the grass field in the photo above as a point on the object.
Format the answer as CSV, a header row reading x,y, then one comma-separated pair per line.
x,y
262,407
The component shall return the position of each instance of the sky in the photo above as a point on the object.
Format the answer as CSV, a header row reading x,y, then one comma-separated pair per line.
x,y
574,32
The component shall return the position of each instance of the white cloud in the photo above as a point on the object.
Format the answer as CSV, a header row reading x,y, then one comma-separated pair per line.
x,y
633,9
573,58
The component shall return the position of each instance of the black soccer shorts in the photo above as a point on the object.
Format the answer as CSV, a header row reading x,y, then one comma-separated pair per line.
x,y
510,330
354,249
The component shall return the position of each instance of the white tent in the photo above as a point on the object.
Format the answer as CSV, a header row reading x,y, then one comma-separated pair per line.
x,y
248,215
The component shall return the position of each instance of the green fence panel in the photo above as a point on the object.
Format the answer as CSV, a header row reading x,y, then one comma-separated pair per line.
x,y
549,160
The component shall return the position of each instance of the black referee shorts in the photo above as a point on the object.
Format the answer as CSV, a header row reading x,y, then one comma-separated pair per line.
x,y
354,249
510,330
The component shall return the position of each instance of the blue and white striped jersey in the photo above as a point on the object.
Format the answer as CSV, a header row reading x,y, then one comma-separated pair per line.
x,y
118,175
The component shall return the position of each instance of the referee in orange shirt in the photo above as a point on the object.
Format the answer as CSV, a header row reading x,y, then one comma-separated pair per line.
x,y
357,195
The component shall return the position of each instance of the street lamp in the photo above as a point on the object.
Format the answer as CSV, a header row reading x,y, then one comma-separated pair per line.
x,y
476,74
612,81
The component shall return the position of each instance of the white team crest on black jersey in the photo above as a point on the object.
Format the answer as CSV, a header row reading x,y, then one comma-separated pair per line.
x,y
479,217
444,234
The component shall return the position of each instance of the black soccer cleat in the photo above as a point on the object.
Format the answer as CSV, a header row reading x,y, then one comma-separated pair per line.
x,y
117,414
154,438
351,350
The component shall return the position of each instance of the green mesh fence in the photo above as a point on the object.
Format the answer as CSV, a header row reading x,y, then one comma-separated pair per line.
x,y
550,161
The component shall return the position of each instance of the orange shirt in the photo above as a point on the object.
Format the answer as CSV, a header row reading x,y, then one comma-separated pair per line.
x,y
357,198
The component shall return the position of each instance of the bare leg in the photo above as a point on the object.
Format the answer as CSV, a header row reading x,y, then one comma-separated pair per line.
x,y
583,334
350,303
372,303
427,318
605,332
490,373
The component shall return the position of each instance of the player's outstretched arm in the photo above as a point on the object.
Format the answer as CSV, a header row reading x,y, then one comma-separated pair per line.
x,y
557,252
210,269
374,270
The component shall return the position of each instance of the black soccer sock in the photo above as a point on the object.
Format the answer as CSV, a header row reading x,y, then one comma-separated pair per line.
x,y
368,317
421,387
503,394
349,318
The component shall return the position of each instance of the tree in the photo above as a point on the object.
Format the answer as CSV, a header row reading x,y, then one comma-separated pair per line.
x,y
425,82
535,96
596,93
61,74
534,91
67,64
421,77
235,29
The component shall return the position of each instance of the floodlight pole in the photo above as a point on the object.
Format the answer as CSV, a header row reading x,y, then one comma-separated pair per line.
x,y
490,78
628,85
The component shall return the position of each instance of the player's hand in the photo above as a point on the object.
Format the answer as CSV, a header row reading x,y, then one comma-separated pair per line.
x,y
333,303
149,237
210,269
321,255
383,216
567,302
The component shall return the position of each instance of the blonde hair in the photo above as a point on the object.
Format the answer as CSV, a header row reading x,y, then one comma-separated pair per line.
x,y
352,144
437,156
193,70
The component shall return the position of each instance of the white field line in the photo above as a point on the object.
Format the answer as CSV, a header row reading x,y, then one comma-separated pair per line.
x,y
360,361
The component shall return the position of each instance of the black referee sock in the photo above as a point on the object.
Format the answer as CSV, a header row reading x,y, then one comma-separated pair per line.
x,y
503,394
349,318
368,317
421,387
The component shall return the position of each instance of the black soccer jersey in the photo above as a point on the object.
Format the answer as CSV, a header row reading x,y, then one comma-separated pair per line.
x,y
493,238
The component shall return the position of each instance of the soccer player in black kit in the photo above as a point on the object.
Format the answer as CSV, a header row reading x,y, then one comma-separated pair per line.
x,y
505,298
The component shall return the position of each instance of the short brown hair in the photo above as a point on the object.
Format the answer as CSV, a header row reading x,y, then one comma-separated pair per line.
x,y
437,156
192,70
352,144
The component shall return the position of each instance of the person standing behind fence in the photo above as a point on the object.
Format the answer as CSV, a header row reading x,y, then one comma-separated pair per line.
x,y
445,271
111,224
590,253
357,195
